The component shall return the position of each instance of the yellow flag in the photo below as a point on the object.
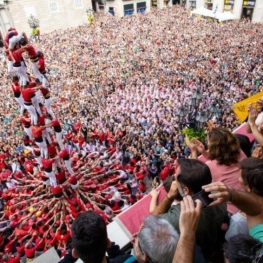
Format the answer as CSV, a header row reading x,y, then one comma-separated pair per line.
x,y
240,108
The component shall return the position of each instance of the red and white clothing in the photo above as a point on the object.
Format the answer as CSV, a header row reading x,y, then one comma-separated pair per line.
x,y
27,95
26,122
37,134
64,154
17,65
58,131
46,94
17,95
47,164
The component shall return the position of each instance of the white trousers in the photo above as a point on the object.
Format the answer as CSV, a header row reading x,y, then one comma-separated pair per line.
x,y
45,133
52,178
48,106
21,74
20,101
39,98
33,113
28,131
36,72
68,166
43,149
36,104
10,68
59,139
38,159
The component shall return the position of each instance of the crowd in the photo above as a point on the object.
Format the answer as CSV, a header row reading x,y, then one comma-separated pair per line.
x,y
89,123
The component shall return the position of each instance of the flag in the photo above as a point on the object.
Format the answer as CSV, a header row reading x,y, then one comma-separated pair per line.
x,y
240,108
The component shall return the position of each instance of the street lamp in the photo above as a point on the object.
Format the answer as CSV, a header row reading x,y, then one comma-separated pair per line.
x,y
181,113
212,110
201,120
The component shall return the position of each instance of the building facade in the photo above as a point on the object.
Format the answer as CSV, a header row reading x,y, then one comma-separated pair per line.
x,y
52,14
252,9
62,14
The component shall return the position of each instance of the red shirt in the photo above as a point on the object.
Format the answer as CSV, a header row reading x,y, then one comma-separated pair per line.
x,y
56,189
47,163
31,51
13,259
25,122
27,94
29,166
44,91
16,87
52,150
63,153
42,66
10,31
30,252
61,176
17,54
55,123
37,131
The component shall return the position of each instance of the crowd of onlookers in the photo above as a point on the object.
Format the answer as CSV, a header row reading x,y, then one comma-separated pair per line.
x,y
112,134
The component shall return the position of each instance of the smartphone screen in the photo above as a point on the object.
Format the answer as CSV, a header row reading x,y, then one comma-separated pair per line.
x,y
203,197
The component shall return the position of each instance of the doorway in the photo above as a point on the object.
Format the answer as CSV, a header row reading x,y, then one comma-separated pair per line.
x,y
94,6
247,12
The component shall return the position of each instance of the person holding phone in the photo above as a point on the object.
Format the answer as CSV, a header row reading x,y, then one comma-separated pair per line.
x,y
190,176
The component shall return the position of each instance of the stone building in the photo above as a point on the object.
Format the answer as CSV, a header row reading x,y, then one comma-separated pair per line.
x,y
61,14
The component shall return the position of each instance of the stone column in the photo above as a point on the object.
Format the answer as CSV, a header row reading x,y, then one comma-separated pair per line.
x,y
160,4
200,3
237,10
258,12
220,4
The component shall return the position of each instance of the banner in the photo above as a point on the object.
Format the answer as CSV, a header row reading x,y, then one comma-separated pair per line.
x,y
240,108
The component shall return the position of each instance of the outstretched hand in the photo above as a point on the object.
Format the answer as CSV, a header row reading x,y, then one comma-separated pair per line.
x,y
190,215
221,193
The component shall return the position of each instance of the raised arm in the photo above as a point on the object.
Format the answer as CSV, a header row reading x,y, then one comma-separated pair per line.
x,y
188,222
166,203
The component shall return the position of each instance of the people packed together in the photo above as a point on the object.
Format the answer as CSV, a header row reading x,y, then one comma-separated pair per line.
x,y
89,126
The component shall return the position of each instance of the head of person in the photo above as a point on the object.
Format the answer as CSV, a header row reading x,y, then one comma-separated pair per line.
x,y
251,175
191,175
22,42
15,79
156,241
89,237
223,146
243,248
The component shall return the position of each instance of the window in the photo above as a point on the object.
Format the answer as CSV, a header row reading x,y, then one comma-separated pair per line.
x,y
53,6
78,4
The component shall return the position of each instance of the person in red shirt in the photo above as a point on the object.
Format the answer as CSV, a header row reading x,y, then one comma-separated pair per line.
x,y
61,176
46,94
37,134
42,121
27,95
58,131
17,93
57,191
17,58
32,54
50,241
26,123
47,164
11,259
64,154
